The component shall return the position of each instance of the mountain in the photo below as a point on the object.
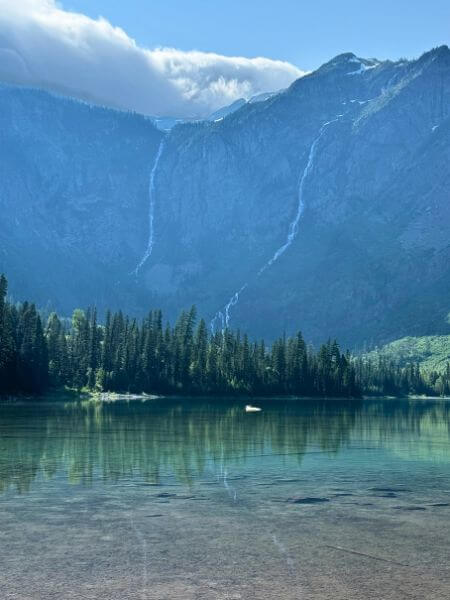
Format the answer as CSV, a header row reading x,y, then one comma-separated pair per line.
x,y
431,352
227,110
234,106
324,207
167,123
73,196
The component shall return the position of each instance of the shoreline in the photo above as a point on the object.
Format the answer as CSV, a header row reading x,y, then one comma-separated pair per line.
x,y
108,397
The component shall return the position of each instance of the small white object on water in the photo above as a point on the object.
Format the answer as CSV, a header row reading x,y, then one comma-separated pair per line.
x,y
250,408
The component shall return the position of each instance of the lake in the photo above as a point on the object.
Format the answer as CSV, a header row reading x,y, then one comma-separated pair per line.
x,y
199,499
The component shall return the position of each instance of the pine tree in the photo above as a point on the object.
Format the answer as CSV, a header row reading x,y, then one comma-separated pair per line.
x,y
7,341
148,356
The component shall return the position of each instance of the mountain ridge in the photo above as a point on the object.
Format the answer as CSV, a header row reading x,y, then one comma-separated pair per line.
x,y
226,194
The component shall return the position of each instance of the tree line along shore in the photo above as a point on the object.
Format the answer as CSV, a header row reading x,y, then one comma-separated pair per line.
x,y
124,354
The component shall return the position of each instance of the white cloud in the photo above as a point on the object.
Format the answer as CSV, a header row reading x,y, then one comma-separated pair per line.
x,y
41,44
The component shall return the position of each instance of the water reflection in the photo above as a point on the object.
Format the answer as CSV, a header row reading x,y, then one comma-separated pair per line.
x,y
88,441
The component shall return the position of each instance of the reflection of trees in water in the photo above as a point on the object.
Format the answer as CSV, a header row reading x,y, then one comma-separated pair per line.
x,y
86,440
419,429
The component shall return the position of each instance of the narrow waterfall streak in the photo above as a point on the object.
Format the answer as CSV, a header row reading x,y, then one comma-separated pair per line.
x,y
292,232
151,210
223,317
233,301
218,318
293,226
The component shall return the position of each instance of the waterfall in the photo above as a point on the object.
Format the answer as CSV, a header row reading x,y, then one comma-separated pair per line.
x,y
217,319
293,227
233,301
292,232
151,210
223,317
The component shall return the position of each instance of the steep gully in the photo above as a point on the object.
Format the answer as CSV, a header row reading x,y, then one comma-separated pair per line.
x,y
222,317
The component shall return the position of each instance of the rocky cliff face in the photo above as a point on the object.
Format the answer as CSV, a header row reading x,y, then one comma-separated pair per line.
x,y
73,197
326,206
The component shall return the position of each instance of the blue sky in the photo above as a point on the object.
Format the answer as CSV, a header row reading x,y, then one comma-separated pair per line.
x,y
304,33
189,58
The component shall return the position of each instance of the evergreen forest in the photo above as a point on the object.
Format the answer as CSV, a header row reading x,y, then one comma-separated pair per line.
x,y
151,356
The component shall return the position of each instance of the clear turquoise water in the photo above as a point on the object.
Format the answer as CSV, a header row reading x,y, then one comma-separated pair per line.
x,y
197,499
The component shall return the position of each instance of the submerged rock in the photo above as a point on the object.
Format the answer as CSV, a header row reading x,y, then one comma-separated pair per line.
x,y
307,500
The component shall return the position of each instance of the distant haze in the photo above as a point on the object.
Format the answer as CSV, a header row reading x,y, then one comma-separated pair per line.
x,y
43,45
